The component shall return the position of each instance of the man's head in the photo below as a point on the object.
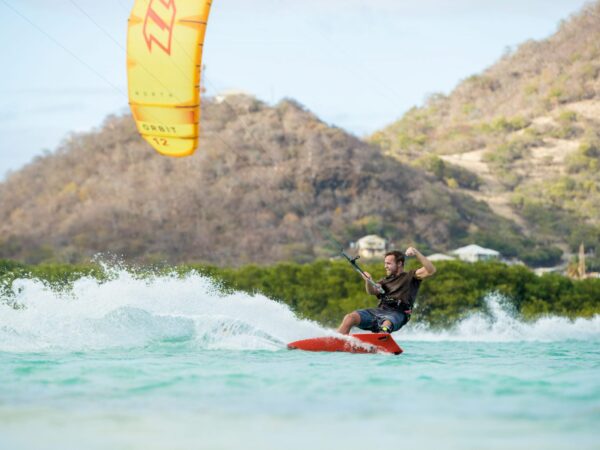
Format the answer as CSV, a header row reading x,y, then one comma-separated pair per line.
x,y
394,262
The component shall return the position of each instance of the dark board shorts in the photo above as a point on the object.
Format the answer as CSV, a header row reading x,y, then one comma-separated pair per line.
x,y
372,318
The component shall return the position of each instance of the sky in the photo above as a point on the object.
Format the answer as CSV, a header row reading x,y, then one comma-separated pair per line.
x,y
357,64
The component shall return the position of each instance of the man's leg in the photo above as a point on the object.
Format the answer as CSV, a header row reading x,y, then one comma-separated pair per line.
x,y
386,326
393,323
350,320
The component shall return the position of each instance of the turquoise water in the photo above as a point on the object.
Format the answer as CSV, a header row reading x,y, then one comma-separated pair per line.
x,y
169,363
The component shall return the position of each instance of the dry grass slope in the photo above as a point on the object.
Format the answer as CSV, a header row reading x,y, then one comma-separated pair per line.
x,y
528,127
263,187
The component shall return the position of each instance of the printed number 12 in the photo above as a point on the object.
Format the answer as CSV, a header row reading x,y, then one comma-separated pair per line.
x,y
160,141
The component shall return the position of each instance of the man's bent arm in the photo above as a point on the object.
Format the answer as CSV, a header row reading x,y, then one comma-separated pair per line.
x,y
428,268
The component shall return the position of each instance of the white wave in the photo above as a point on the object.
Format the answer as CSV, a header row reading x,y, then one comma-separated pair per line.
x,y
501,324
126,311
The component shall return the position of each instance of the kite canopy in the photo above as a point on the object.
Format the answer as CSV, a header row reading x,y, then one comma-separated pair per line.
x,y
164,57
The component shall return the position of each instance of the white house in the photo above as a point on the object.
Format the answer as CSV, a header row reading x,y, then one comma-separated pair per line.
x,y
222,96
440,257
474,253
371,246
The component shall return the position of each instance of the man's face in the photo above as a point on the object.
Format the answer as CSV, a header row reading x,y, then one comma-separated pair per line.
x,y
391,267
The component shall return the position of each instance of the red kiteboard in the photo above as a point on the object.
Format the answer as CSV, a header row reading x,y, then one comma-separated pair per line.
x,y
354,343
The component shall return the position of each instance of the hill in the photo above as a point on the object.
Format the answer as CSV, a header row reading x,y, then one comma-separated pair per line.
x,y
523,136
268,184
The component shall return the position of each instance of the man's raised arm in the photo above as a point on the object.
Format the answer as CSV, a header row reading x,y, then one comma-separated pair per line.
x,y
428,268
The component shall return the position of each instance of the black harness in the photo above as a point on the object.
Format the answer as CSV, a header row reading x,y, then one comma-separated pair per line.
x,y
385,300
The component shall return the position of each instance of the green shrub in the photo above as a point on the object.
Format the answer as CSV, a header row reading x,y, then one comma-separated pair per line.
x,y
586,158
506,153
445,172
502,125
542,256
567,129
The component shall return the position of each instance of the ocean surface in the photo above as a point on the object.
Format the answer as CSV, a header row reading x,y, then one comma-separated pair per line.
x,y
170,363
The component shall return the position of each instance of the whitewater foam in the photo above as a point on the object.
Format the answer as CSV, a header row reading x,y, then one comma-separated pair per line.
x,y
500,323
131,311
128,311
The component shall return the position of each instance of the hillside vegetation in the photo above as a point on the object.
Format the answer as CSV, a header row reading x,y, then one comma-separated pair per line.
x,y
268,184
523,136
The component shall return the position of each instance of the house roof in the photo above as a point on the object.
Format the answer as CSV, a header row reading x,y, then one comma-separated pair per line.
x,y
370,238
475,250
440,257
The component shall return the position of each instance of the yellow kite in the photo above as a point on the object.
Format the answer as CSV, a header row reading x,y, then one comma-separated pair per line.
x,y
164,57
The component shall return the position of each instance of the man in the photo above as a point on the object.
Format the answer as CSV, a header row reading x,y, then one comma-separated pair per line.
x,y
395,306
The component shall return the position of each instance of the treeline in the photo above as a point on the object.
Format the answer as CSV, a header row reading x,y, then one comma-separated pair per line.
x,y
326,290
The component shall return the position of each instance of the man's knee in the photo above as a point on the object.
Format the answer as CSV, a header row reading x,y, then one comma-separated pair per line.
x,y
353,318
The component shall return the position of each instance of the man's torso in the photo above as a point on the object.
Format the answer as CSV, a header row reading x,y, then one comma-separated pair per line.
x,y
400,291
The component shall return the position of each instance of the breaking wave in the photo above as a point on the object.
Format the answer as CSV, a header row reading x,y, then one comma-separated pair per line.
x,y
499,323
127,311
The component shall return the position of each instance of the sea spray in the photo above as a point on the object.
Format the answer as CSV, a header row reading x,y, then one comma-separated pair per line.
x,y
127,310
499,322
